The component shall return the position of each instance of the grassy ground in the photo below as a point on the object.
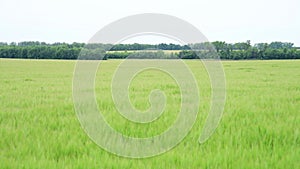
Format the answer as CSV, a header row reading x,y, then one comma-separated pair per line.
x,y
259,128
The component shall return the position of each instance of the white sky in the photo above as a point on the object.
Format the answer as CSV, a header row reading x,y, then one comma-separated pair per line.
x,y
226,20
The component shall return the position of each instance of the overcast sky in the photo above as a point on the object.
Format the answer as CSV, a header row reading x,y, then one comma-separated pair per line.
x,y
226,20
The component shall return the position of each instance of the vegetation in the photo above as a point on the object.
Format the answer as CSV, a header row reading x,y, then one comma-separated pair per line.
x,y
237,51
259,128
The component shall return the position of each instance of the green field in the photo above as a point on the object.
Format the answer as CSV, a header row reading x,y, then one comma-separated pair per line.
x,y
260,127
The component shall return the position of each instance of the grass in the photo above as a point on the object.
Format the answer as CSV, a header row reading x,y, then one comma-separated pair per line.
x,y
259,128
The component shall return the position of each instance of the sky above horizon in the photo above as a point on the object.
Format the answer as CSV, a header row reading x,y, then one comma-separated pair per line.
x,y
77,21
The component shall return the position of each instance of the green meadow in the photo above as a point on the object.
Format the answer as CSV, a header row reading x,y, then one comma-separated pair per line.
x,y
260,127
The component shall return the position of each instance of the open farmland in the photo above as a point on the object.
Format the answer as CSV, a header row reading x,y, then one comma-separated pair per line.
x,y
259,128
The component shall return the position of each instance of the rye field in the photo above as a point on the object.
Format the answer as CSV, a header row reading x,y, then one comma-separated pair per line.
x,y
260,127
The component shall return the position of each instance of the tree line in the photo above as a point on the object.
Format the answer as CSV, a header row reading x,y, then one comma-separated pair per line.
x,y
217,49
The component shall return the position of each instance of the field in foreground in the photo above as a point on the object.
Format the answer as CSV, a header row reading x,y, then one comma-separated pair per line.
x,y
259,128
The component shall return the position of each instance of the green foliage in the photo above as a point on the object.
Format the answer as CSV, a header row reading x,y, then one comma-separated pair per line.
x,y
95,51
243,51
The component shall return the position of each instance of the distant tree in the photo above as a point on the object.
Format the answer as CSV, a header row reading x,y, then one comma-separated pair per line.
x,y
3,44
219,45
281,45
205,50
13,44
242,45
